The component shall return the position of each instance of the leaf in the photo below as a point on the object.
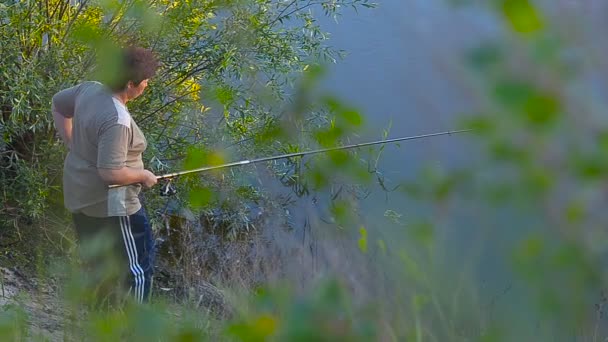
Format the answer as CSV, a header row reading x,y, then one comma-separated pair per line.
x,y
542,109
200,197
352,117
512,94
197,157
266,325
258,329
340,210
362,239
339,158
591,167
225,95
318,178
523,17
328,137
480,124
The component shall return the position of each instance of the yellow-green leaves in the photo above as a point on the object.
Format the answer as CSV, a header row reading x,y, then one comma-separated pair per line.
x,y
192,88
522,16
199,157
362,239
200,197
257,329
328,136
225,95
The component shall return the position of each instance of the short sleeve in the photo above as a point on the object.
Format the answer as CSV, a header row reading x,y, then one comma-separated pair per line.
x,y
112,147
64,101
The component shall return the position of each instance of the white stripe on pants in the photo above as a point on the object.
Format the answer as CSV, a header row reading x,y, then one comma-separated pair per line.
x,y
136,270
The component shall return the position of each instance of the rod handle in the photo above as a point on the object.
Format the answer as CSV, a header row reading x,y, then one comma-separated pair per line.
x,y
114,186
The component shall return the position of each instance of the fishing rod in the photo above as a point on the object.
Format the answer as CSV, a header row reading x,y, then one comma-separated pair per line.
x,y
298,154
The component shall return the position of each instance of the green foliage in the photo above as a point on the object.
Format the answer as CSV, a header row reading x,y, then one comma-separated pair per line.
x,y
215,54
522,15
273,314
13,322
281,315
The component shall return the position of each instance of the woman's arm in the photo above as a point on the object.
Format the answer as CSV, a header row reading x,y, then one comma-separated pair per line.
x,y
63,125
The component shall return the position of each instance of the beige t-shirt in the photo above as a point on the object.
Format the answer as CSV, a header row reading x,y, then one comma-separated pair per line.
x,y
103,136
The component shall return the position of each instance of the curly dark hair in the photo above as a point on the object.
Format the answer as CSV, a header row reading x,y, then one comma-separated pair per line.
x,y
136,65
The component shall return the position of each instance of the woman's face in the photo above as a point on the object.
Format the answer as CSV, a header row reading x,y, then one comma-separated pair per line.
x,y
134,91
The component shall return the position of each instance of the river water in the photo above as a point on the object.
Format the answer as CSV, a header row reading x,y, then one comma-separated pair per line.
x,y
405,69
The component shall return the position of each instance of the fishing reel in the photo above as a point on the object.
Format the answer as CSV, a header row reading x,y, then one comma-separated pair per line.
x,y
168,189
